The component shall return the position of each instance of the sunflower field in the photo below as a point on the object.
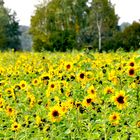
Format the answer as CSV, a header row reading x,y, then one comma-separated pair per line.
x,y
69,96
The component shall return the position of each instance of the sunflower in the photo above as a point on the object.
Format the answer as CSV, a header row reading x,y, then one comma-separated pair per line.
x,y
68,66
131,63
91,90
88,100
81,76
36,81
53,86
114,118
55,114
23,84
131,72
15,126
108,90
120,100
10,111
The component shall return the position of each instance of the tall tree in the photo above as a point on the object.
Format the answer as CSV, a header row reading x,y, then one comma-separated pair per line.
x,y
57,25
9,29
102,20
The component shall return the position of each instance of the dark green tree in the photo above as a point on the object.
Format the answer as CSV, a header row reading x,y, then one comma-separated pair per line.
x,y
131,37
9,29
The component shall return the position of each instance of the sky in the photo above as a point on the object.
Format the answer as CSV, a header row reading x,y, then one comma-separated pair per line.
x,y
127,10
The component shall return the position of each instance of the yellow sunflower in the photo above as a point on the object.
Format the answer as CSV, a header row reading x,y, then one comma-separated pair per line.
x,y
15,126
55,114
81,76
108,90
91,90
88,100
120,100
68,66
36,81
10,111
23,84
114,118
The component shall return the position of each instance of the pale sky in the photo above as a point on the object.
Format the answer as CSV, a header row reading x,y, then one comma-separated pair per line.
x,y
127,10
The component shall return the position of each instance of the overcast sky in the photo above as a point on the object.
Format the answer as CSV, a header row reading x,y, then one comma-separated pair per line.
x,y
127,10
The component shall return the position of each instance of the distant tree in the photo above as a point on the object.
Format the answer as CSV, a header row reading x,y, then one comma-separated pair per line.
x,y
9,29
103,21
57,24
131,37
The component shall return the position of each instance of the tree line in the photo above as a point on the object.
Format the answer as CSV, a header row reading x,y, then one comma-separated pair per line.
x,y
61,25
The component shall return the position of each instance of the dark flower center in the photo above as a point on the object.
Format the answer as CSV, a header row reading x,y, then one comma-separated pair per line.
x,y
131,71
35,81
92,91
10,109
68,66
15,126
55,113
82,75
114,117
23,85
52,85
132,64
109,91
88,100
120,99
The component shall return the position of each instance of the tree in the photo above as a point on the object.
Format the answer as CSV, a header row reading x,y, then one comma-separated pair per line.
x,y
131,37
57,24
103,21
9,29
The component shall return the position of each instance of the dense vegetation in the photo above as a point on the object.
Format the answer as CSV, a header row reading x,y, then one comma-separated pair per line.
x,y
9,29
61,25
69,96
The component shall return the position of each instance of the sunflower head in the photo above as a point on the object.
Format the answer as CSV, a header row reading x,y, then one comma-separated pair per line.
x,y
91,90
88,100
114,118
10,111
120,100
68,66
23,84
55,114
108,90
15,126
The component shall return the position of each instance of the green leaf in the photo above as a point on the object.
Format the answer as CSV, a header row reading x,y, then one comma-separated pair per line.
x,y
1,135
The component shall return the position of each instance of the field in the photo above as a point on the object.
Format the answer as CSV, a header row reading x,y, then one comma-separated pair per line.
x,y
69,96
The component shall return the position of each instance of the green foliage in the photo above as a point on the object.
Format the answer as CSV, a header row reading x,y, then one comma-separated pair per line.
x,y
57,25
103,22
131,37
9,33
